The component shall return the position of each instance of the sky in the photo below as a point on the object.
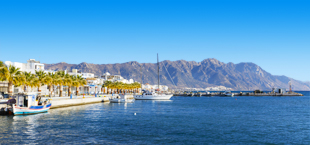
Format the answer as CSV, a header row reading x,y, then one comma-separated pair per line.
x,y
274,34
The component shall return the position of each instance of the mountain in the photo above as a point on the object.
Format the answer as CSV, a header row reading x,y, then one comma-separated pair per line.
x,y
207,73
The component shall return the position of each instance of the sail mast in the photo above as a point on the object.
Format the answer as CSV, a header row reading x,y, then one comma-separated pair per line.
x,y
141,76
158,71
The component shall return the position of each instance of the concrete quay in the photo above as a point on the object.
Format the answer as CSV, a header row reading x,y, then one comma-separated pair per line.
x,y
220,94
58,102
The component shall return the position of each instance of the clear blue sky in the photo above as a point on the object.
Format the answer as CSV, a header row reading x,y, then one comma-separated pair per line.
x,y
275,34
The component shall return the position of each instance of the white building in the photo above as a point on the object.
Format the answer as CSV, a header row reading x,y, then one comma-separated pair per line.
x,y
154,87
218,88
31,66
116,78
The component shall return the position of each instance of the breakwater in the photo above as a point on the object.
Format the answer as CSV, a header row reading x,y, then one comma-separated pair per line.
x,y
80,100
222,94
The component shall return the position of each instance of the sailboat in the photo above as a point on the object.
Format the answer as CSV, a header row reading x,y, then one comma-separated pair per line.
x,y
146,95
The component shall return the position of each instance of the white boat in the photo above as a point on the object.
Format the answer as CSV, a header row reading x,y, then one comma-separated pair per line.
x,y
27,104
229,94
121,99
152,95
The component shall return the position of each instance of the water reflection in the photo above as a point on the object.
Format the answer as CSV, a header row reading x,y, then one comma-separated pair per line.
x,y
181,121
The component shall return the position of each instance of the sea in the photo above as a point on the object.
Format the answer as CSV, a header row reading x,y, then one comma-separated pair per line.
x,y
181,120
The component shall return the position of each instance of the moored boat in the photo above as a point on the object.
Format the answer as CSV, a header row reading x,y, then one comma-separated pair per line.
x,y
152,96
146,95
28,104
122,99
229,94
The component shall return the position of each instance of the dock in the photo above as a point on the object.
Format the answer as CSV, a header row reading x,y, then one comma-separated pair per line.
x,y
58,102
221,94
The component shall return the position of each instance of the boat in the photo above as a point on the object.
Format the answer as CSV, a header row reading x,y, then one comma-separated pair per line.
x,y
122,99
28,104
229,94
147,95
199,94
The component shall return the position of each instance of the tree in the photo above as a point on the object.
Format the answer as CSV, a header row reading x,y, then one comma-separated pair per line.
x,y
81,82
107,84
12,76
41,75
51,80
60,82
4,72
68,82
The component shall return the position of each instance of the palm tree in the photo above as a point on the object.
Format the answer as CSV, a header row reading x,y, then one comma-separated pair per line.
x,y
50,80
61,75
35,83
12,76
2,64
28,79
58,81
81,81
118,86
107,84
75,83
4,73
136,85
68,83
41,75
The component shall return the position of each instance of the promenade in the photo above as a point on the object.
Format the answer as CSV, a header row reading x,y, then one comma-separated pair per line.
x,y
76,100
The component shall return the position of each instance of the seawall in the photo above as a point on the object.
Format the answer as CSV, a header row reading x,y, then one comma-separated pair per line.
x,y
58,102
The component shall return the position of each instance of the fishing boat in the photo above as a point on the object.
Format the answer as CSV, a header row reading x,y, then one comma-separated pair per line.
x,y
28,104
147,95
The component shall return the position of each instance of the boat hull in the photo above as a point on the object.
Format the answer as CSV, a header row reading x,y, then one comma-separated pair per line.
x,y
151,97
122,101
31,110
229,95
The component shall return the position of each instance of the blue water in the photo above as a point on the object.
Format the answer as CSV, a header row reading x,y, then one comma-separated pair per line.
x,y
183,120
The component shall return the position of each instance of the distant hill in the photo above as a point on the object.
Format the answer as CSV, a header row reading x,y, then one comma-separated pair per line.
x,y
207,73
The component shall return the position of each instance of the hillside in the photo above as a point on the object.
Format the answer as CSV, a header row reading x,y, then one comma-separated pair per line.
x,y
207,73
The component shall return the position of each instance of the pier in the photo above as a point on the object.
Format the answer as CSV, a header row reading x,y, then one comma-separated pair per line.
x,y
221,94
58,102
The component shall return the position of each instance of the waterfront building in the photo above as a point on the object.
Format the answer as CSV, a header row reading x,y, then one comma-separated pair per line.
x,y
218,88
116,78
279,90
31,66
94,83
154,87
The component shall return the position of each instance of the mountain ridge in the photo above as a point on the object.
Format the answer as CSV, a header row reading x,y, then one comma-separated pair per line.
x,y
207,73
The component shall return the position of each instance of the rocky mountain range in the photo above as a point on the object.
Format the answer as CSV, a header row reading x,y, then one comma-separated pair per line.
x,y
207,73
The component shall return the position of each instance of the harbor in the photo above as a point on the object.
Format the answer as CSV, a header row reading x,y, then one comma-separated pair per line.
x,y
223,94
60,102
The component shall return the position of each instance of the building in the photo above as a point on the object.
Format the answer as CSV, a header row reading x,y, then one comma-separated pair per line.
x,y
154,87
116,78
31,66
94,83
279,90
